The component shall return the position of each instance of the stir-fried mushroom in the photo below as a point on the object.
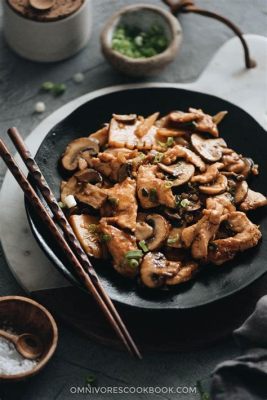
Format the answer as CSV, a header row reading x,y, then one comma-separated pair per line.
x,y
160,231
178,151
253,200
246,235
210,175
241,190
86,229
183,173
122,248
153,271
217,187
78,148
210,150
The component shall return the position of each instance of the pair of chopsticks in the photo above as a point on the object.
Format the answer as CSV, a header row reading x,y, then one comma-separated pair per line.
x,y
69,243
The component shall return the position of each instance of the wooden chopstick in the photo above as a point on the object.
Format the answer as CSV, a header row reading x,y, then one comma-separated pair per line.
x,y
48,221
67,229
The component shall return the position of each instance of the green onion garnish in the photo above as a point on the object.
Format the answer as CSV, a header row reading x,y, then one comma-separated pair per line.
x,y
170,141
173,239
158,157
133,263
168,184
90,380
47,86
143,246
133,254
105,238
184,203
59,89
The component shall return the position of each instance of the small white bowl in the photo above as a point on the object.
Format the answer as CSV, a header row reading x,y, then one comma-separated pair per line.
x,y
47,41
142,16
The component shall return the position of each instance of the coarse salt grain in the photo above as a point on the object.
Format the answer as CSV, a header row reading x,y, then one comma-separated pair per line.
x,y
11,362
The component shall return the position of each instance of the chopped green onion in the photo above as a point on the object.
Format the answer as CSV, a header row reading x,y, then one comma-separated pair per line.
x,y
162,144
61,205
133,254
170,141
58,89
173,239
47,86
105,238
92,228
184,203
143,246
145,192
133,263
158,157
153,195
168,184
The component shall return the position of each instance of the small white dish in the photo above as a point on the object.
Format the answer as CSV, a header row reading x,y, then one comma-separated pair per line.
x,y
47,41
142,16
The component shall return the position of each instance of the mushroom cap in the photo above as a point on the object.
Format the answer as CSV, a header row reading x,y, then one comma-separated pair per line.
x,y
75,149
209,149
152,270
160,231
241,191
182,171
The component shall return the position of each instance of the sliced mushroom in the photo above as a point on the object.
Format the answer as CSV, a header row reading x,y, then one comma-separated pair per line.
x,y
153,270
178,151
241,191
209,149
85,228
182,171
126,118
75,150
253,200
218,187
173,215
89,175
160,231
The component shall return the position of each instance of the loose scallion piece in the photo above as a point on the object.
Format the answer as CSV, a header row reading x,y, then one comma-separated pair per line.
x,y
142,244
158,157
133,254
184,203
173,239
170,141
133,263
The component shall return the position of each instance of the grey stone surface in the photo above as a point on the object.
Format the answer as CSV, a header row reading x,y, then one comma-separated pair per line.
x,y
20,80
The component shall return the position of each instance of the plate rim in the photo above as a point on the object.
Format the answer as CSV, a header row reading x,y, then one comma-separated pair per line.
x,y
125,87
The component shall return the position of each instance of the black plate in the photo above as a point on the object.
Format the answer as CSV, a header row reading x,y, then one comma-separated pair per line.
x,y
241,132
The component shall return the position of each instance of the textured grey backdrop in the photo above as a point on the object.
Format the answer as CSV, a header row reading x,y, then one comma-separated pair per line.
x,y
20,80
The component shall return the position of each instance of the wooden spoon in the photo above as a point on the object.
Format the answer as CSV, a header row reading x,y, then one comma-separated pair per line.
x,y
41,5
28,345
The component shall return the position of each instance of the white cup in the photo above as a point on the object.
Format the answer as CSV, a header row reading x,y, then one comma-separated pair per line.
x,y
48,41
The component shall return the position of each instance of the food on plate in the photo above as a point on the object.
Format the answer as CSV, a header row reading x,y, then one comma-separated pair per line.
x,y
160,196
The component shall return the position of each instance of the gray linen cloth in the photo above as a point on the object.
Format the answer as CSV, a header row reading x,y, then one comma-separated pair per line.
x,y
245,378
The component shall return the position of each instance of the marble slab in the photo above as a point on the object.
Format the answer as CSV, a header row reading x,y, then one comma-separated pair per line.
x,y
225,76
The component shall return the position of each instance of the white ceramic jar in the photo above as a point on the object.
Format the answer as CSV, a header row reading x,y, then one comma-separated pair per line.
x,y
48,41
